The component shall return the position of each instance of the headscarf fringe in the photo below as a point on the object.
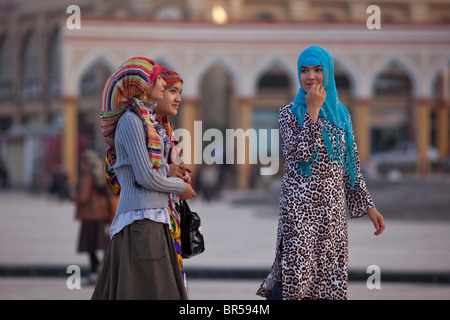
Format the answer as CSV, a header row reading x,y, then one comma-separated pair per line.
x,y
339,151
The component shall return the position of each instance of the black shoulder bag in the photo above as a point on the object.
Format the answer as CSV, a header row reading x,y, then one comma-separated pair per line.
x,y
192,242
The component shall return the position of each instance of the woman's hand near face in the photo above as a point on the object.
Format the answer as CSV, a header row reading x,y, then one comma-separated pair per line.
x,y
314,100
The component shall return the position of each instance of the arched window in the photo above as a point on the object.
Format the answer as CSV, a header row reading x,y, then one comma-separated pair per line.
x,y
264,16
343,86
54,64
274,79
393,80
94,79
391,113
169,12
5,68
217,87
274,82
327,17
29,63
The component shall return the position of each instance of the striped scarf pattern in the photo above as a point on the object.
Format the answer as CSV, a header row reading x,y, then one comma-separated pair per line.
x,y
132,79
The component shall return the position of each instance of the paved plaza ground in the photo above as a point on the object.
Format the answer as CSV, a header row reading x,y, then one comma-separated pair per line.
x,y
38,237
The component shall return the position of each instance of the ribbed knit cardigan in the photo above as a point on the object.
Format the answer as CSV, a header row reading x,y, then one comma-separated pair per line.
x,y
133,164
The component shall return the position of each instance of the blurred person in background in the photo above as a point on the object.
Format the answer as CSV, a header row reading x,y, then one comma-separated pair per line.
x,y
322,176
4,177
208,180
140,261
94,209
59,185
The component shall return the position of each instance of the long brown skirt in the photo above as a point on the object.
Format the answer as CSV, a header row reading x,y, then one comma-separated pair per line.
x,y
141,263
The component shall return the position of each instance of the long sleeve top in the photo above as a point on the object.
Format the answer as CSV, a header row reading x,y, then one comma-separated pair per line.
x,y
298,145
144,190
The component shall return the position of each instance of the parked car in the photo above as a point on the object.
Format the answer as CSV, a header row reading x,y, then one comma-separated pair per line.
x,y
402,157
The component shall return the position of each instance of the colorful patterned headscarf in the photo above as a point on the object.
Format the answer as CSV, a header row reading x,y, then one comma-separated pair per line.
x,y
170,77
333,111
132,79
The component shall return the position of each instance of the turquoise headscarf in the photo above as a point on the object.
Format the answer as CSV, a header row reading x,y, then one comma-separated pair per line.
x,y
333,111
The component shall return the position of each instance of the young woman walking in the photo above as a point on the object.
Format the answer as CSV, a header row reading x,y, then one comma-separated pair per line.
x,y
168,107
322,175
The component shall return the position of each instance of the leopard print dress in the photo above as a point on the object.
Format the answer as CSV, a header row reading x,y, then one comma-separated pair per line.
x,y
311,259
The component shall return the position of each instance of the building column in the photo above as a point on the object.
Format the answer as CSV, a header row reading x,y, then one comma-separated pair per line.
x,y
235,8
418,12
442,127
245,112
70,140
423,135
442,114
196,9
362,129
298,10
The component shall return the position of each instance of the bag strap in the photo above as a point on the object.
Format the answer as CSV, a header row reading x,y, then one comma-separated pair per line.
x,y
185,205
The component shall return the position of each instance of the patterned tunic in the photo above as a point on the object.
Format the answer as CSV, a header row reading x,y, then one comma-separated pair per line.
x,y
312,242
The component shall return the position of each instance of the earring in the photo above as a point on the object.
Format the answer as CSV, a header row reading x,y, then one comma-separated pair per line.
x,y
145,96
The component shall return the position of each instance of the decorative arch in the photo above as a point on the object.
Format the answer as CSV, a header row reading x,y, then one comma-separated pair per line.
x,y
6,57
30,65
269,62
264,15
166,61
169,11
407,66
29,55
90,83
216,59
350,71
53,49
435,72
79,69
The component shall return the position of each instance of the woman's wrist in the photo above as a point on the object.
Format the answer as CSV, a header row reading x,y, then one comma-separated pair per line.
x,y
313,114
